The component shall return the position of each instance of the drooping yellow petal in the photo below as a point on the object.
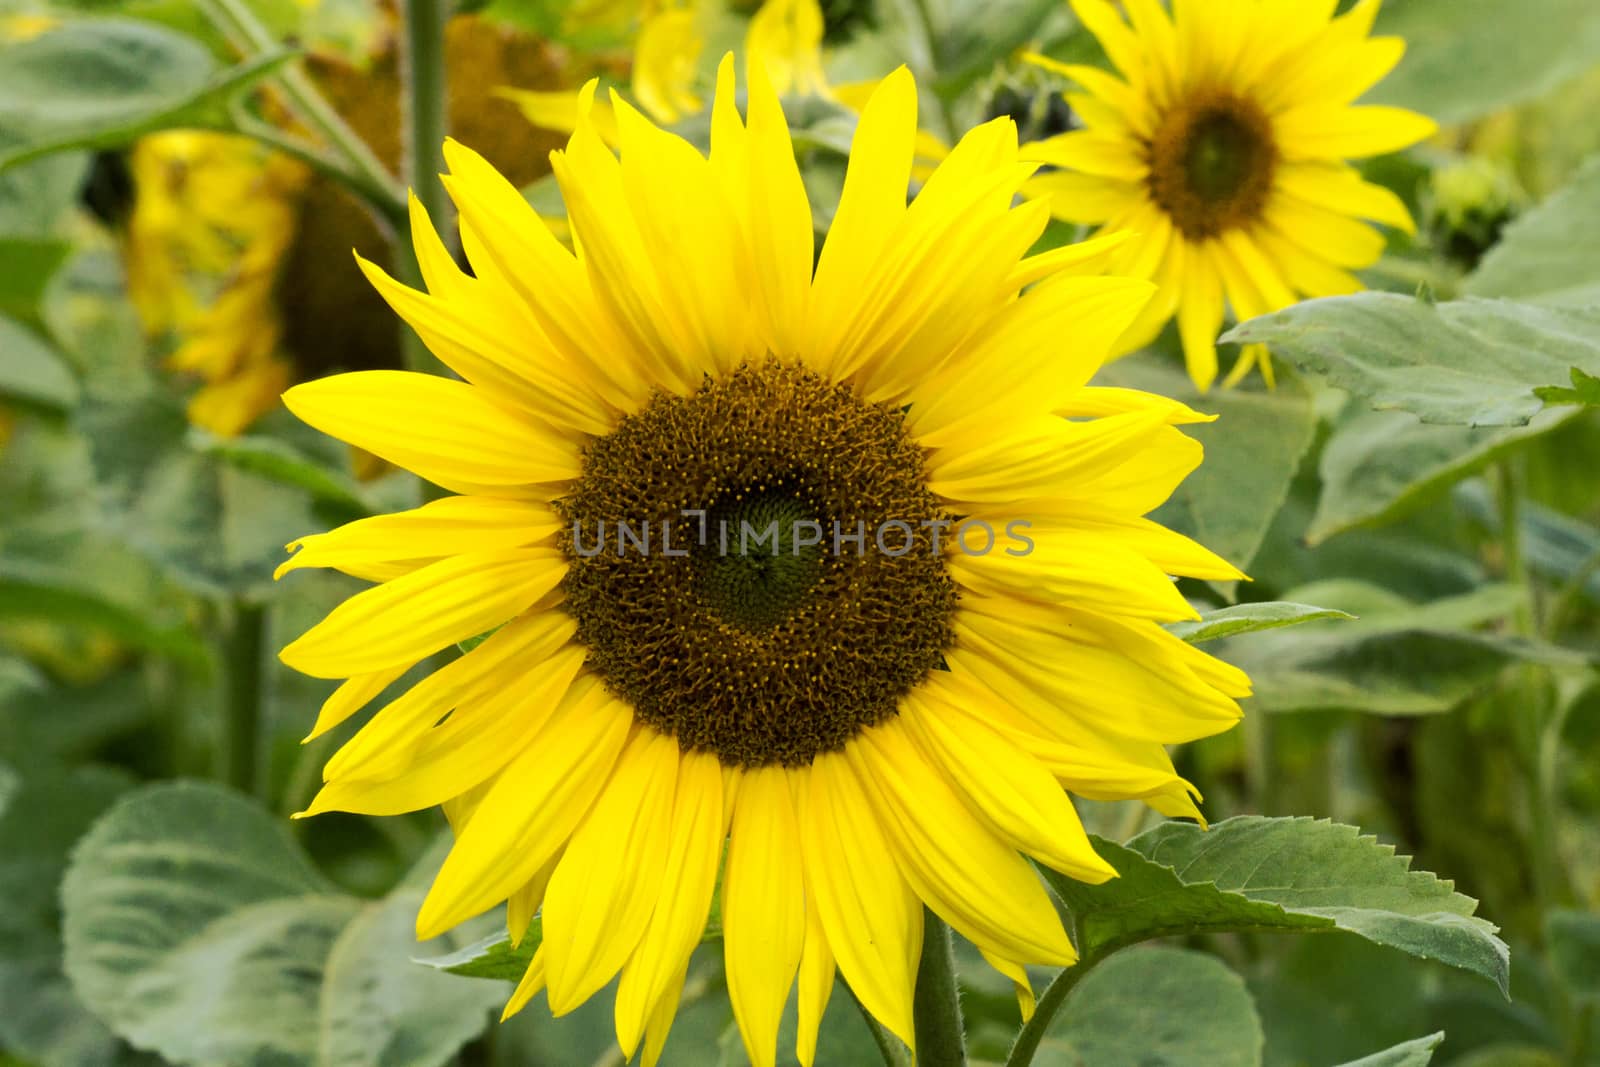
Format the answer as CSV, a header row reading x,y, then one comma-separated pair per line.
x,y
531,811
869,915
763,909
974,881
601,897
695,850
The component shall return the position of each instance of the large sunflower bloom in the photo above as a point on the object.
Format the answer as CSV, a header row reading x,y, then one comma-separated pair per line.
x,y
1223,145
867,728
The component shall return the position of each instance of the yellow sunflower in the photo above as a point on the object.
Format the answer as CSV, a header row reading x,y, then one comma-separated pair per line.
x,y
951,609
1223,145
784,37
236,255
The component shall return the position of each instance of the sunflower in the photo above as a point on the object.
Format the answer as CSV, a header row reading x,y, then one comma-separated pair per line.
x,y
783,36
1223,145
236,254
952,607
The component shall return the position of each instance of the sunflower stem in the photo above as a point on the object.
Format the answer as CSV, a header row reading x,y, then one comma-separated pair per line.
x,y
941,1035
423,78
247,677
1054,996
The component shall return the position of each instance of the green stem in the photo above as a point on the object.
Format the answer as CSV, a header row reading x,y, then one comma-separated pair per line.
x,y
929,74
1055,995
246,665
370,178
941,1037
1538,729
423,78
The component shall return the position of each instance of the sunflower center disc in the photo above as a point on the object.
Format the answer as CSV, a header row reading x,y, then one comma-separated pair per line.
x,y
1212,163
726,573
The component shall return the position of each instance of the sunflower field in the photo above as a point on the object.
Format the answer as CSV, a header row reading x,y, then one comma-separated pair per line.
x,y
549,533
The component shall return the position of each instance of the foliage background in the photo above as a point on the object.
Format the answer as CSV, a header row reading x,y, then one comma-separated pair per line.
x,y
1426,464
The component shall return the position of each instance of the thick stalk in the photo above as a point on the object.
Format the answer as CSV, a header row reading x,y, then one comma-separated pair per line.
x,y
941,1036
246,666
423,85
1055,995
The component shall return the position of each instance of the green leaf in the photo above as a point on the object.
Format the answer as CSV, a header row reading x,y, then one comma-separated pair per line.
x,y
1551,255
101,83
1253,873
30,590
1574,940
1418,1053
280,462
1252,453
1156,1007
37,200
1397,658
977,35
496,957
43,812
213,526
31,370
197,929
1465,58
1379,465
26,266
1468,362
1585,391
1250,618
1556,546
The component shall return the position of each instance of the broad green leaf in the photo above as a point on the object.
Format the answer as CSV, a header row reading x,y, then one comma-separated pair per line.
x,y
1418,1053
1253,873
1551,255
1379,465
1574,940
48,721
100,83
1250,618
1467,363
31,370
1465,58
1156,1007
34,591
197,929
43,812
1252,453
1397,658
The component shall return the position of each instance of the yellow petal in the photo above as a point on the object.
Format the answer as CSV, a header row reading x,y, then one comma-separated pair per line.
x,y
763,909
417,614
695,850
353,695
815,984
449,432
530,812
1318,131
1006,787
387,546
869,915
974,881
600,899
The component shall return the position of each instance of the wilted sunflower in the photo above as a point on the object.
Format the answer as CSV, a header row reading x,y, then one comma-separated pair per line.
x,y
867,731
1223,147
